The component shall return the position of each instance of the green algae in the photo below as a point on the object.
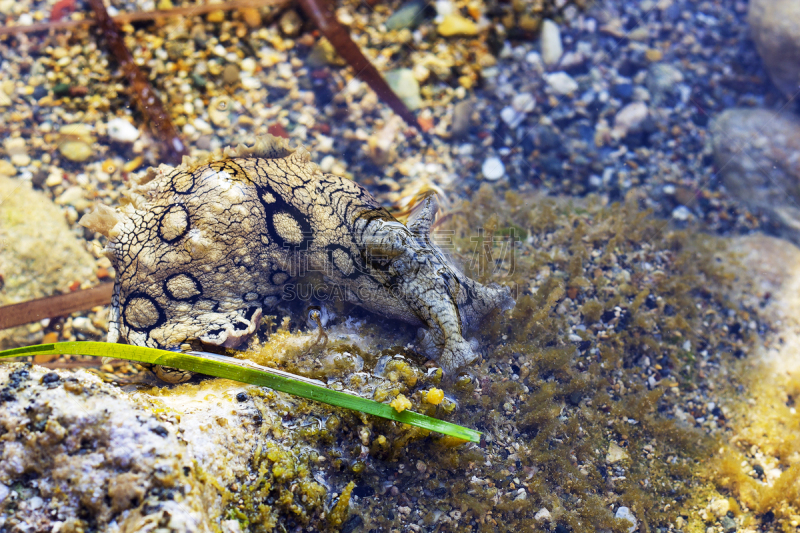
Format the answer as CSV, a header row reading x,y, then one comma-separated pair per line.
x,y
561,378
551,396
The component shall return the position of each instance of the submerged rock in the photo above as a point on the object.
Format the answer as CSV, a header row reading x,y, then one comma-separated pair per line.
x,y
758,154
39,255
84,452
88,454
775,29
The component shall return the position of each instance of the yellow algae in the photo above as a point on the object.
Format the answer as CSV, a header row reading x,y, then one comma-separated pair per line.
x,y
401,403
434,396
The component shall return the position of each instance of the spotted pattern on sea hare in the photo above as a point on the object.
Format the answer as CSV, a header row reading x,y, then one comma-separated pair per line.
x,y
203,248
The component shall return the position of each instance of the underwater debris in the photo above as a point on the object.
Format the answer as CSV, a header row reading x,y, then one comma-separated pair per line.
x,y
321,12
173,147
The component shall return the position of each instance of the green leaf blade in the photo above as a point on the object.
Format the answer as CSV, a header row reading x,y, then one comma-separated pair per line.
x,y
234,369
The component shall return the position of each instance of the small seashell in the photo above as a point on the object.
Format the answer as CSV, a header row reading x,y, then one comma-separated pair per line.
x,y
219,111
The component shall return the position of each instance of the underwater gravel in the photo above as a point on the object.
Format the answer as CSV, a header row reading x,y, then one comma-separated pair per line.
x,y
623,114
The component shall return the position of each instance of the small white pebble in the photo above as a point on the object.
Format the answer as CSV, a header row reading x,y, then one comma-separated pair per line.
x,y
625,514
681,213
561,83
248,64
542,515
122,131
493,169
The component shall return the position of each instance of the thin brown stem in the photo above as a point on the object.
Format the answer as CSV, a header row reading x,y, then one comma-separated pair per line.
x,y
321,12
53,306
173,147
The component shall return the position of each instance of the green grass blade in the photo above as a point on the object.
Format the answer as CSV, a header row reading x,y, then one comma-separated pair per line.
x,y
246,372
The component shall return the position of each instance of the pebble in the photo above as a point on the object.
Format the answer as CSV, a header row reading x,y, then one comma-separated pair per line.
x,y
681,213
623,513
251,17
77,151
405,86
456,25
511,116
493,168
561,83
230,74
543,515
74,196
550,43
462,113
6,168
629,118
728,524
121,130
17,151
410,15
84,325
662,80
523,103
615,453
290,23
248,64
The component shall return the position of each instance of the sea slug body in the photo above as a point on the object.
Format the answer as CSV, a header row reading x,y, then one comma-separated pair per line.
x,y
202,249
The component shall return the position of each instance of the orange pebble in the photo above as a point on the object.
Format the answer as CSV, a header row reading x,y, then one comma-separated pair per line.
x,y
425,123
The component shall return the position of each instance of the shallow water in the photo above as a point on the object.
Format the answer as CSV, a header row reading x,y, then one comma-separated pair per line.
x,y
627,169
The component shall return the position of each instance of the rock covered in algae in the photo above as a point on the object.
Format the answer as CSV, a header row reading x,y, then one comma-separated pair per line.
x,y
197,458
83,455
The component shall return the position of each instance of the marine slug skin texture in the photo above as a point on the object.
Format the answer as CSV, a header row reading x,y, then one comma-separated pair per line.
x,y
202,249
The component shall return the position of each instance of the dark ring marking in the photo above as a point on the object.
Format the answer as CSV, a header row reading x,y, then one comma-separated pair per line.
x,y
182,182
356,262
174,223
180,292
282,206
275,277
234,170
137,303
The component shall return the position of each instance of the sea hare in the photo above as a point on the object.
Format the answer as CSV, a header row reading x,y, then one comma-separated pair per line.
x,y
200,250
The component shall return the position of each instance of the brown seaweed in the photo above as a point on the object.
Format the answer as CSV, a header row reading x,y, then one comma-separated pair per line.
x,y
53,306
173,147
321,12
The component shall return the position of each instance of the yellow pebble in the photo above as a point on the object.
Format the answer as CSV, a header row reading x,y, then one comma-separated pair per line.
x,y
653,54
434,396
381,440
456,25
401,403
251,16
109,166
216,16
133,164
